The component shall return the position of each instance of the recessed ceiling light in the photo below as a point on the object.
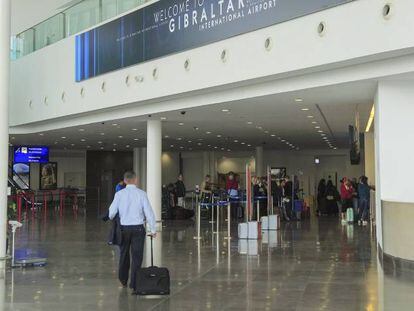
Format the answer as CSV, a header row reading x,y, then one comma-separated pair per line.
x,y
283,140
323,134
181,124
115,144
63,137
250,122
215,147
190,141
135,129
13,137
225,110
99,142
208,132
208,145
310,117
314,122
172,146
199,144
120,136
127,146
72,145
320,131
81,130
273,135
236,141
163,118
259,127
249,145
243,143
298,100
166,136
114,124
136,139
228,150
196,128
181,147
113,150
102,134
317,127
335,148
56,142
83,139
222,148
218,135
266,132
41,134
102,148
305,109
179,138
88,146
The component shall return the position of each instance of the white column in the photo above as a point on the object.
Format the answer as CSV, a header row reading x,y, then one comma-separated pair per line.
x,y
4,120
206,163
140,166
259,161
394,149
154,176
213,166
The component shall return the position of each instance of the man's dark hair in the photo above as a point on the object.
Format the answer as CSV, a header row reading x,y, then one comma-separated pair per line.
x,y
129,175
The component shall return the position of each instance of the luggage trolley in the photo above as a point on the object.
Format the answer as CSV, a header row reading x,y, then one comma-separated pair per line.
x,y
25,257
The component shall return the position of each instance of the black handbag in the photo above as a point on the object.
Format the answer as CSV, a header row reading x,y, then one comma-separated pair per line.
x,y
152,280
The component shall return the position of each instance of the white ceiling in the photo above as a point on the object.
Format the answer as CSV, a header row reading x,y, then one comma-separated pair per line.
x,y
333,109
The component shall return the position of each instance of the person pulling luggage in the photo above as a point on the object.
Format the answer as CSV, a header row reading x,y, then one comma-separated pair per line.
x,y
133,208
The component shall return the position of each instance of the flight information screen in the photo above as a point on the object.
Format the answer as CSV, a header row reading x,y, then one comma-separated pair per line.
x,y
31,154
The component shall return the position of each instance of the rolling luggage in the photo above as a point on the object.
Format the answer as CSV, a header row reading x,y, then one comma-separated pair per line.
x,y
242,231
274,222
253,230
265,222
153,280
350,215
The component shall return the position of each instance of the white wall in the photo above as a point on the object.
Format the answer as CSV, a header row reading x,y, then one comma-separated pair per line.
x,y
394,127
170,167
68,162
50,72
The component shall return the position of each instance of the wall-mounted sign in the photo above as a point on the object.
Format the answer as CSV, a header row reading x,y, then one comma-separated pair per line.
x,y
171,26
31,154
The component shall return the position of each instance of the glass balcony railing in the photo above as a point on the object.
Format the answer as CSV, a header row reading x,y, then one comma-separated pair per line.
x,y
74,19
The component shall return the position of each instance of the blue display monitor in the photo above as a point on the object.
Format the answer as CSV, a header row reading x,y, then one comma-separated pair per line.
x,y
31,154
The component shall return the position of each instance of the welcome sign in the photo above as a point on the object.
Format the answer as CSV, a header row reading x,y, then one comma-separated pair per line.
x,y
172,26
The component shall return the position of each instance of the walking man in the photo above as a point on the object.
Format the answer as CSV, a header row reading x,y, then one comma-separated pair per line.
x,y
133,208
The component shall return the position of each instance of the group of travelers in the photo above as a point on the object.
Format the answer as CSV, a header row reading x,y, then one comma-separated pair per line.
x,y
354,194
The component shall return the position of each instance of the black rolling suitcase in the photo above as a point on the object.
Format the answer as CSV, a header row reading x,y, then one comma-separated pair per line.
x,y
153,280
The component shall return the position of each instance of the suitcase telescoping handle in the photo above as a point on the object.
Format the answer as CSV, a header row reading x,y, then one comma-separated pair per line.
x,y
152,251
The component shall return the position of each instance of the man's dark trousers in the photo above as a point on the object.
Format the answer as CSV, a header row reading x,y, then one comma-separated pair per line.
x,y
133,239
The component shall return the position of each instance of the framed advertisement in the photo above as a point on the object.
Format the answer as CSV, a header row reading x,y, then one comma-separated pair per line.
x,y
278,172
48,176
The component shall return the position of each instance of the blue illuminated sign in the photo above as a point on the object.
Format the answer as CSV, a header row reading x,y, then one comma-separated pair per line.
x,y
31,154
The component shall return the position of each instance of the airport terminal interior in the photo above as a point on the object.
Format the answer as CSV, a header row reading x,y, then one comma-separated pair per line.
x,y
272,139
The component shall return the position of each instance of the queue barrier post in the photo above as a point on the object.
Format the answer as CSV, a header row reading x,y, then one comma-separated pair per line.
x,y
228,237
198,205
258,209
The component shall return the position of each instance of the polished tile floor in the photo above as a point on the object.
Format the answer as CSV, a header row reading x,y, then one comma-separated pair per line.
x,y
312,265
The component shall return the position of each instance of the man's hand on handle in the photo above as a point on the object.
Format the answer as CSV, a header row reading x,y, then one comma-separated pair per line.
x,y
153,235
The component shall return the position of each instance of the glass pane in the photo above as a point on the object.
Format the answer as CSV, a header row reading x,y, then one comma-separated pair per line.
x,y
49,31
24,43
109,9
125,5
81,16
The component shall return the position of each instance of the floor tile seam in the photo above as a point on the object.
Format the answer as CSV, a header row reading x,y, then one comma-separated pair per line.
x,y
189,283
